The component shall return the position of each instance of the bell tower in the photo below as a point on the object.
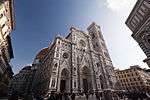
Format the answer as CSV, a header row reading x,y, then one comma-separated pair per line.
x,y
106,67
98,42
96,37
99,46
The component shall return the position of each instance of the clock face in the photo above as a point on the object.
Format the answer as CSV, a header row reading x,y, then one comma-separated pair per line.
x,y
82,43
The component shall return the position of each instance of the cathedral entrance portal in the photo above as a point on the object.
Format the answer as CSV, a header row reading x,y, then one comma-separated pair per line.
x,y
62,85
86,79
64,82
85,85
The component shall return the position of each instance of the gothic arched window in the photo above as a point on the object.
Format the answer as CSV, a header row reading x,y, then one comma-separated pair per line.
x,y
53,83
82,43
55,66
93,36
97,64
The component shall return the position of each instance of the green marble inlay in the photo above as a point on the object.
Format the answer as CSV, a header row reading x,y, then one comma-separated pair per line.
x,y
1,5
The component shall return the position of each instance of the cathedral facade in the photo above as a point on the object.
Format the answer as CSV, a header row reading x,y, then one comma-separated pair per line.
x,y
79,63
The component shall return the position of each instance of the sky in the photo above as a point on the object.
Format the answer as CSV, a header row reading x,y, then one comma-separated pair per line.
x,y
39,21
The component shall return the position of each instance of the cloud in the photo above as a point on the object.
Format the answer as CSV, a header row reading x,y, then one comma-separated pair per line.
x,y
120,5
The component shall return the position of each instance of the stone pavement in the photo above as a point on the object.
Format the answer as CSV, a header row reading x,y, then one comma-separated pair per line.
x,y
84,97
77,98
5,98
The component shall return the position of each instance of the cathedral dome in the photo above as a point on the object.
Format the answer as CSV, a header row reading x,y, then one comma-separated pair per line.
x,y
27,68
42,54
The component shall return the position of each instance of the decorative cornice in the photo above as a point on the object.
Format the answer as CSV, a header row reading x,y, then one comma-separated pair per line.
x,y
63,39
73,29
141,28
136,6
147,59
12,13
138,15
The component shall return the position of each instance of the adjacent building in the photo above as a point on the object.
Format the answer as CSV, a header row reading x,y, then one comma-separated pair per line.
x,y
139,23
21,84
134,82
6,51
79,63
133,79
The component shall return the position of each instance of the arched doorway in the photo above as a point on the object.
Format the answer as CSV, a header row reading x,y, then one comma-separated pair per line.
x,y
64,82
86,79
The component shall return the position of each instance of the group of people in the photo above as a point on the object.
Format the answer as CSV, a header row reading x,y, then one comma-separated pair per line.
x,y
73,96
61,96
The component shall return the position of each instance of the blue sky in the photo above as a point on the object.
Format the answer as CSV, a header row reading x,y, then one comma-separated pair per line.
x,y
39,21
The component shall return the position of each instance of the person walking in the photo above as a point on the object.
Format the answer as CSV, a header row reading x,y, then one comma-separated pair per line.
x,y
66,96
52,97
60,96
87,96
72,96
97,96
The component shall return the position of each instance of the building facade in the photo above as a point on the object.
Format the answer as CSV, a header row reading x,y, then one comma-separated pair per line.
x,y
134,80
139,23
79,63
21,83
6,51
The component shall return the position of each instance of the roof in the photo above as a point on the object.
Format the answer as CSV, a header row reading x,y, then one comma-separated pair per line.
x,y
27,68
137,67
42,53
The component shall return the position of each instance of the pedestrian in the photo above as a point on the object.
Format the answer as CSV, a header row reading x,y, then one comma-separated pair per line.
x,y
57,96
73,96
52,97
97,96
66,96
39,98
60,96
87,96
